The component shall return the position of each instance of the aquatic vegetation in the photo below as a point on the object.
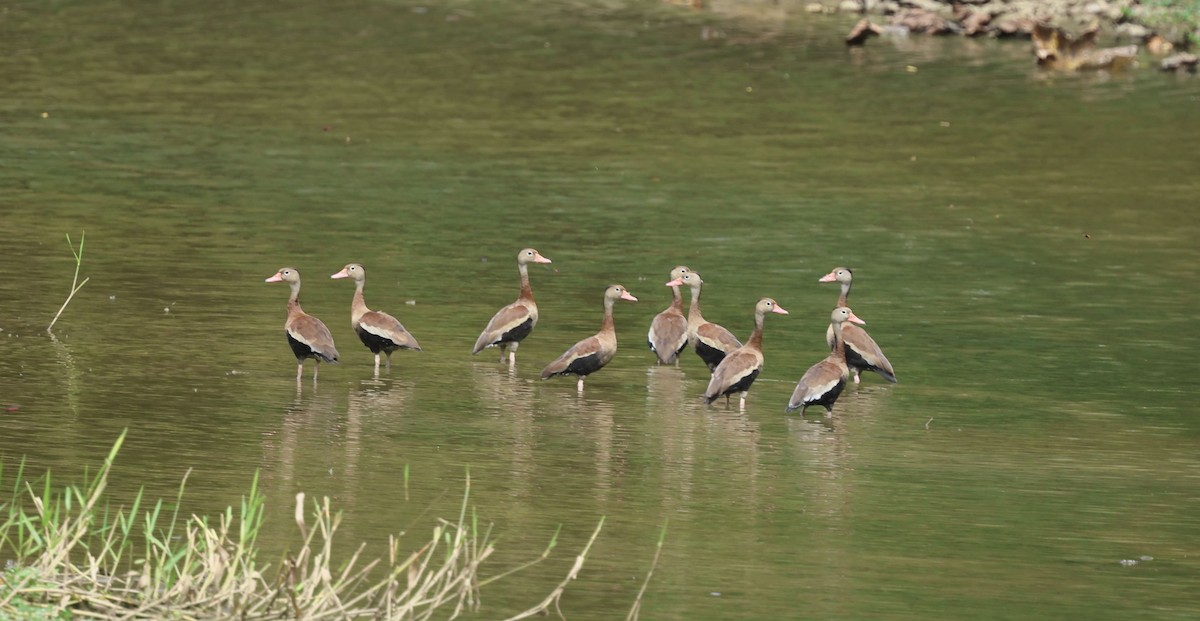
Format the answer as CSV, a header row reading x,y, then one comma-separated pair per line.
x,y
72,556
75,284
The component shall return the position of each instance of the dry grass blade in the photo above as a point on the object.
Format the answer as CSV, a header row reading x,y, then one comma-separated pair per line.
x,y
556,595
637,603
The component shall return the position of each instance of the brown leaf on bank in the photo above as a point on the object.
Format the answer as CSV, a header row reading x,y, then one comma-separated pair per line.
x,y
1157,45
1054,48
862,31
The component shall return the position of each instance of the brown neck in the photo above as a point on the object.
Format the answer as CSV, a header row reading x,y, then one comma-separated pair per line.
x,y
293,305
839,345
845,294
358,306
756,336
607,325
526,291
694,310
676,299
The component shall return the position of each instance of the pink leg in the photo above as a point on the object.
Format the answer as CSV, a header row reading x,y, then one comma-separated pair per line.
x,y
299,371
856,376
579,386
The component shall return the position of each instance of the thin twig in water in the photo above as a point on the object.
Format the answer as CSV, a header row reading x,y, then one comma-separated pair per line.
x,y
75,284
637,603
928,421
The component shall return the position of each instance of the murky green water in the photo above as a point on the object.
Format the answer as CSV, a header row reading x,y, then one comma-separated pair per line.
x,y
1024,247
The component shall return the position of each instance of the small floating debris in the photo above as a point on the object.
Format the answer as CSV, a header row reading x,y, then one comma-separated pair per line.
x,y
1128,562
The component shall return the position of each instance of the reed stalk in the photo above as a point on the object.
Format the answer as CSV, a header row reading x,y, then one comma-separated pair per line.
x,y
637,602
75,284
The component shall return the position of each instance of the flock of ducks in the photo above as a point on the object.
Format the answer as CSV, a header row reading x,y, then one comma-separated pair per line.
x,y
734,365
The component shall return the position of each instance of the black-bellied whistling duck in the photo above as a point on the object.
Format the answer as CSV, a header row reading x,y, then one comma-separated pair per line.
x,y
511,324
379,331
862,353
710,341
740,368
668,331
307,335
823,382
591,354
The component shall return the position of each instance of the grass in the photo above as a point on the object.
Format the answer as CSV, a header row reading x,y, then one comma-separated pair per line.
x,y
1166,14
71,557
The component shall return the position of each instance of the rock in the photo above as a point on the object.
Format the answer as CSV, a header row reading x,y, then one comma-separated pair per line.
x,y
926,5
921,20
850,6
973,21
1130,30
1013,25
1179,62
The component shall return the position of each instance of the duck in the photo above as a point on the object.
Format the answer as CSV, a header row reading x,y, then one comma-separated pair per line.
x,y
862,352
511,324
591,354
823,382
307,335
379,331
741,367
668,334
710,341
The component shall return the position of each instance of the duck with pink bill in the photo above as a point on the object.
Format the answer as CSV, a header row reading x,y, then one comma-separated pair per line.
x,y
307,335
741,367
862,353
379,331
511,324
668,333
824,381
591,354
710,341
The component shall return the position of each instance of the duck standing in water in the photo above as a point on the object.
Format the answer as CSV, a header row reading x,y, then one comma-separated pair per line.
x,y
379,331
307,335
741,367
591,354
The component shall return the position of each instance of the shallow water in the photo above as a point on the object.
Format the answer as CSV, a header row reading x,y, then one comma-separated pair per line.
x,y
1024,246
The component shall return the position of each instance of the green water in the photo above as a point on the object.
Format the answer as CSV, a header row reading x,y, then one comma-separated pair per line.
x,y
1024,247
